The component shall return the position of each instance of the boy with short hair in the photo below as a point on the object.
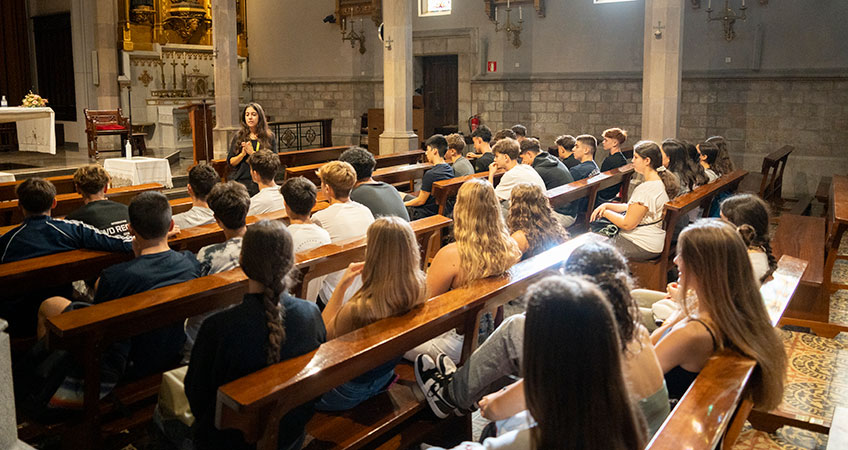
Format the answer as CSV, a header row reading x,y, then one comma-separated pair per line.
x,y
456,146
425,204
520,132
584,151
481,138
91,182
201,179
264,166
381,198
565,144
507,153
300,195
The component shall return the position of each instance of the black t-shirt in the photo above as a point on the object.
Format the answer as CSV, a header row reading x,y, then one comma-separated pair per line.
x,y
439,172
107,216
611,162
584,170
230,345
157,350
482,163
571,161
241,171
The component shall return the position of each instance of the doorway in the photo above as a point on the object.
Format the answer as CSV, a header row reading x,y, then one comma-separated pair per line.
x,y
54,61
441,103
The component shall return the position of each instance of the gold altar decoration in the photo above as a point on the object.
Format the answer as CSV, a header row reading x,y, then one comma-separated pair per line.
x,y
347,9
146,22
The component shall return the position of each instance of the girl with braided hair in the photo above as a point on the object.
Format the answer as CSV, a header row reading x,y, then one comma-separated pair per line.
x,y
269,326
750,214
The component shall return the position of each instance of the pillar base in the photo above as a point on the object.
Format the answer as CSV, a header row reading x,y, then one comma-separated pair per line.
x,y
221,140
398,142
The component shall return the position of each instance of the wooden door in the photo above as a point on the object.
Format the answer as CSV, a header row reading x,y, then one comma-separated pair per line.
x,y
440,93
54,60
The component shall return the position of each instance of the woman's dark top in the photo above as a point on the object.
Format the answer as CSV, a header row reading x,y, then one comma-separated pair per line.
x,y
230,345
679,379
241,171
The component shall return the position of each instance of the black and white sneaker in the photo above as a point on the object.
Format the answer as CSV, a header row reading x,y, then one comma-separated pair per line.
x,y
446,365
432,383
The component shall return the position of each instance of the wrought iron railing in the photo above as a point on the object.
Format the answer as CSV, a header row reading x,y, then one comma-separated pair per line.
x,y
302,134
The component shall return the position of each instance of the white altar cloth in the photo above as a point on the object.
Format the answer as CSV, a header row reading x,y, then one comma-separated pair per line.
x,y
36,128
6,177
138,170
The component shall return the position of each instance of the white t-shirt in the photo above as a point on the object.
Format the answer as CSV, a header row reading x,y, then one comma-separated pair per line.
x,y
306,236
266,200
521,173
759,263
196,216
514,440
342,221
652,195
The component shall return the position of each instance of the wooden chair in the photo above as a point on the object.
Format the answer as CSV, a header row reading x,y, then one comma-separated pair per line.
x,y
769,183
105,123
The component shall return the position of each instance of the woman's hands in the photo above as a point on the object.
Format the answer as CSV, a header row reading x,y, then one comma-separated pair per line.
x,y
598,213
353,270
247,148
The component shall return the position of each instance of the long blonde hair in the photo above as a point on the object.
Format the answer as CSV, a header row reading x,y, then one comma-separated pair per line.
x,y
485,247
530,212
392,280
715,254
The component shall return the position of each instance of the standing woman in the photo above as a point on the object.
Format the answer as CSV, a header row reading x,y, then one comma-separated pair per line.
x,y
532,222
641,236
392,249
255,134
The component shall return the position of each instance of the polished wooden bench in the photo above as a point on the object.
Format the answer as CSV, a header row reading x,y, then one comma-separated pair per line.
x,y
718,400
64,185
653,274
11,214
397,419
392,159
291,158
769,183
446,190
588,188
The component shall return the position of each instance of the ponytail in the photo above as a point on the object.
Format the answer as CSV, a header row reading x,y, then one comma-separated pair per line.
x,y
670,181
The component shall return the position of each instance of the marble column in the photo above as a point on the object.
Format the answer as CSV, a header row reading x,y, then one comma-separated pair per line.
x,y
227,74
105,23
8,422
397,78
662,69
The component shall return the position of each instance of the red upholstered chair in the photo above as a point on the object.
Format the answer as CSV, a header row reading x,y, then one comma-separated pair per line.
x,y
105,123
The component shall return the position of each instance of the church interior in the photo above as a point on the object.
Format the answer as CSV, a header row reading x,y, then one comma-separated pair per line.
x,y
285,110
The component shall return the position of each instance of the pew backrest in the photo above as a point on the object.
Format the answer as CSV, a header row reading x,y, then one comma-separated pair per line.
x,y
588,188
771,186
64,185
290,158
393,159
445,190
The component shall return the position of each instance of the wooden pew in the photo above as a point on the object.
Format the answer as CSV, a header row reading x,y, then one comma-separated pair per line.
x,y
64,185
769,183
180,205
254,404
394,159
86,332
291,158
588,188
718,400
10,213
653,274
445,190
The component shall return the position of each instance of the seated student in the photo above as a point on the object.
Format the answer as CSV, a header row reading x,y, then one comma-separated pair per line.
x,y
154,266
41,235
344,218
750,214
91,182
584,151
579,405
613,139
264,166
300,196
481,138
483,248
392,249
565,144
229,203
520,132
676,159
456,147
729,313
641,236
553,172
532,222
201,179
722,165
267,327
381,198
507,157
709,154
499,356
425,204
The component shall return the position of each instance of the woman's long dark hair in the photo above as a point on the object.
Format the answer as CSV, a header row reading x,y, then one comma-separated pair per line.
x,y
648,149
263,131
750,214
267,256
723,164
574,384
680,164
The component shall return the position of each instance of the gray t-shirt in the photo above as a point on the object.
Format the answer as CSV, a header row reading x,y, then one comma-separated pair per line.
x,y
462,167
381,198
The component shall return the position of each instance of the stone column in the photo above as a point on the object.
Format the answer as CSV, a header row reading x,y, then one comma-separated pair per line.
x,y
662,69
8,422
227,74
397,78
106,44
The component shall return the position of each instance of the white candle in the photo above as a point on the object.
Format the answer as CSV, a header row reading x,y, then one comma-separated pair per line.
x,y
710,4
743,3
507,4
496,13
520,13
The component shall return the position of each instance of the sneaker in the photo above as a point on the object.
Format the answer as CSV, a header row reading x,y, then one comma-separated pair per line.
x,y
446,365
432,383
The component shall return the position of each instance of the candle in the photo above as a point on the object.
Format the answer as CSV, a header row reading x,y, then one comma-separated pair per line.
x,y
507,4
710,4
496,13
743,3
520,13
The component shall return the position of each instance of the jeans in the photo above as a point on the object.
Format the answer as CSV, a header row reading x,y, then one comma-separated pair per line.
x,y
352,393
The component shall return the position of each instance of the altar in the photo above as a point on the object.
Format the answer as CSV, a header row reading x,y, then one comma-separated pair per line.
x,y
36,127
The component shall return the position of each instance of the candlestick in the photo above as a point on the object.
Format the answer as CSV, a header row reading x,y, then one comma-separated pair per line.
x,y
496,14
162,73
184,64
174,66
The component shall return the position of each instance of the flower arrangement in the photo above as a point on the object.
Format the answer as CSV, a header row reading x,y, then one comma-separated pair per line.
x,y
34,101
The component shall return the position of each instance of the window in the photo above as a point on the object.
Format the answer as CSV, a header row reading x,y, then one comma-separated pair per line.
x,y
612,1
434,7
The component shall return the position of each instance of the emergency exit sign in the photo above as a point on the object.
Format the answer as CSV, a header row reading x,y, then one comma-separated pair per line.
x,y
492,66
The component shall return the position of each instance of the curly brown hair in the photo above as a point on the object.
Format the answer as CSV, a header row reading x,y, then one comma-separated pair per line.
x,y
530,212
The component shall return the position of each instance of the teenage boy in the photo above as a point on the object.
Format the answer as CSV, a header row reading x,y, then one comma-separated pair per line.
x,y
264,166
506,157
456,146
112,218
344,218
613,139
484,156
565,144
584,151
41,235
154,266
381,198
300,195
201,179
425,204
520,133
